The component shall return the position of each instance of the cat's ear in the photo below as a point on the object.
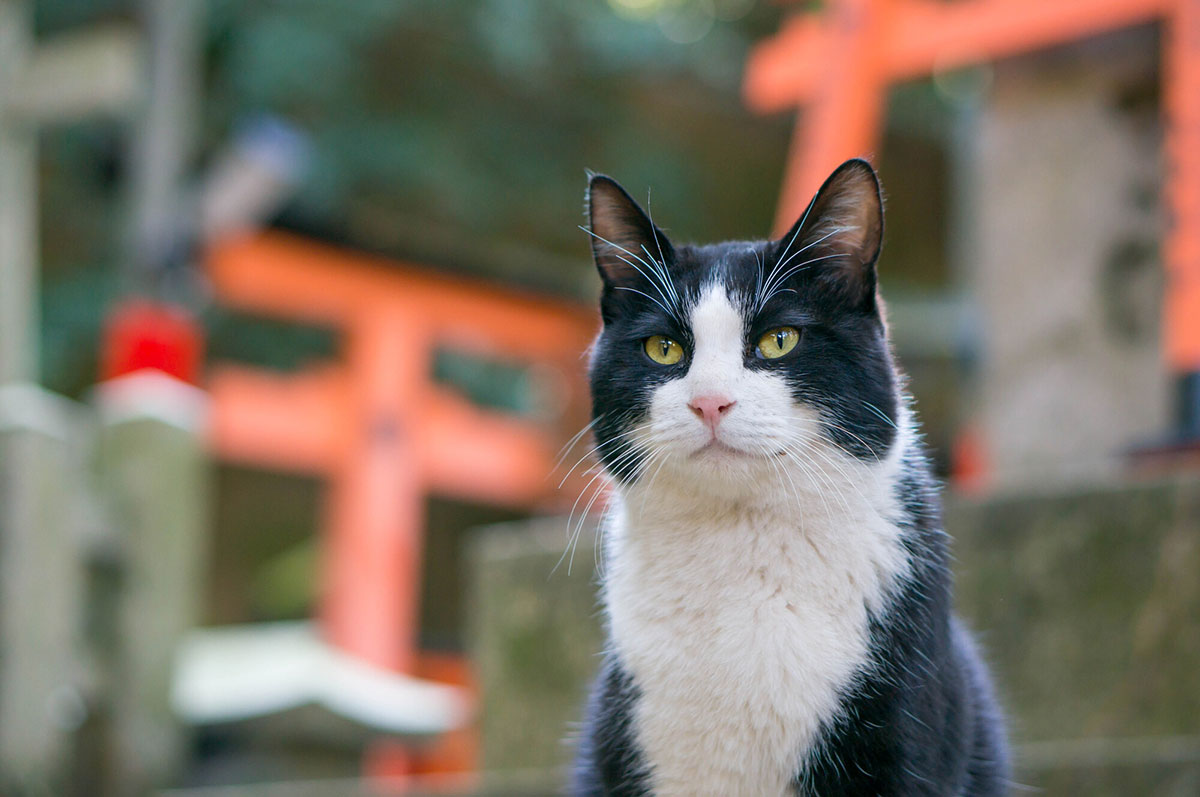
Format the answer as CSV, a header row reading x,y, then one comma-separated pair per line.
x,y
625,242
840,234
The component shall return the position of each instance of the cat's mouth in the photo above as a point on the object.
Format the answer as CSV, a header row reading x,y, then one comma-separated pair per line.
x,y
719,448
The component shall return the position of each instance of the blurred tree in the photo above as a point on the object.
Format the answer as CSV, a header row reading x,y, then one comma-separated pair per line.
x,y
455,134
459,132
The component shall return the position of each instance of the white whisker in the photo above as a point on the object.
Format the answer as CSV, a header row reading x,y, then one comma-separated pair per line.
x,y
570,444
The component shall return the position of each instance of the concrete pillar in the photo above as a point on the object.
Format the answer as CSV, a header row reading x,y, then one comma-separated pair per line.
x,y
154,474
1068,276
18,205
535,640
42,481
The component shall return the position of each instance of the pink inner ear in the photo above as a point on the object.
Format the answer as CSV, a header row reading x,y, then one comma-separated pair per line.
x,y
606,217
612,217
853,216
620,230
842,230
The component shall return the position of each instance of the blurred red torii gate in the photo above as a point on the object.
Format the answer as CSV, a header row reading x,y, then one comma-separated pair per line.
x,y
375,424
838,63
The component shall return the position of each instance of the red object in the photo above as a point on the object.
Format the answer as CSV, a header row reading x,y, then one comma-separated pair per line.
x,y
376,424
969,461
146,334
837,64
447,761
1182,248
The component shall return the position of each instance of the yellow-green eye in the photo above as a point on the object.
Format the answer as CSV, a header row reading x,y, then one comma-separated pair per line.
x,y
663,350
778,342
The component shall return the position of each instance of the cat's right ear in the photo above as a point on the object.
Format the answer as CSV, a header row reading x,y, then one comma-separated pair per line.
x,y
840,234
626,244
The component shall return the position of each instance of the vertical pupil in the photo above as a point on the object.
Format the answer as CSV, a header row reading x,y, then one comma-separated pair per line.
x,y
779,340
666,347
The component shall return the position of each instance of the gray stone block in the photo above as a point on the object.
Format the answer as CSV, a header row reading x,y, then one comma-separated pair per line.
x,y
1085,601
535,636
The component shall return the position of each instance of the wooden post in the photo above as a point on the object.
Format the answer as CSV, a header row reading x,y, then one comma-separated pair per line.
x,y
41,584
151,460
73,76
18,205
153,471
164,137
1182,250
843,120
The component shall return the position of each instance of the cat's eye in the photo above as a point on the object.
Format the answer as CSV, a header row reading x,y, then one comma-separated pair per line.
x,y
663,350
778,342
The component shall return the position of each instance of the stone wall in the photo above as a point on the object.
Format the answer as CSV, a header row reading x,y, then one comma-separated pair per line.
x,y
1086,601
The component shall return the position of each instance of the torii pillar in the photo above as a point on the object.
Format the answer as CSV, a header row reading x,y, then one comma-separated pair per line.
x,y
838,64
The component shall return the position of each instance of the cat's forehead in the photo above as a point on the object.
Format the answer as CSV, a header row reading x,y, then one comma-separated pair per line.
x,y
737,268
716,316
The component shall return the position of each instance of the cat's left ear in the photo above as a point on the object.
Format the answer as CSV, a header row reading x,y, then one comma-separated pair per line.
x,y
840,234
625,242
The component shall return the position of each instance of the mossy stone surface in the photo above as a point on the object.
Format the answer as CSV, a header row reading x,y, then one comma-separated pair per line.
x,y
536,635
1088,606
1086,601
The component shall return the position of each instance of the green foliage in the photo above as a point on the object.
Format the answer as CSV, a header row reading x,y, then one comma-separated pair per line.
x,y
451,133
479,118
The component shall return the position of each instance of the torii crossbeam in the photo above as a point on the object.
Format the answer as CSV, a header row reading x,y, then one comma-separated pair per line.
x,y
837,65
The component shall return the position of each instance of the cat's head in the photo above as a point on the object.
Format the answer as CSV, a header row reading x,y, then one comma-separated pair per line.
x,y
727,364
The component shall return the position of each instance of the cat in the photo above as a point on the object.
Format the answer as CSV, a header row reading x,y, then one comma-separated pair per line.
x,y
776,582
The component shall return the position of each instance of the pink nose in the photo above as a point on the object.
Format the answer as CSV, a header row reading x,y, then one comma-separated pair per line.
x,y
711,409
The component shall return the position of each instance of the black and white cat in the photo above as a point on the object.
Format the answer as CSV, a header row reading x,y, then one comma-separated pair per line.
x,y
777,588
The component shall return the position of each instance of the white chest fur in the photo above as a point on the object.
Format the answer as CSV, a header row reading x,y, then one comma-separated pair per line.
x,y
741,625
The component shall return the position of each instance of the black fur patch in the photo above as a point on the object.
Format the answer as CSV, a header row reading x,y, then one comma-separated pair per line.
x,y
608,762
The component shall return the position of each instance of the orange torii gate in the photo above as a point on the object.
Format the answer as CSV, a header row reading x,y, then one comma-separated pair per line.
x,y
837,64
376,425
